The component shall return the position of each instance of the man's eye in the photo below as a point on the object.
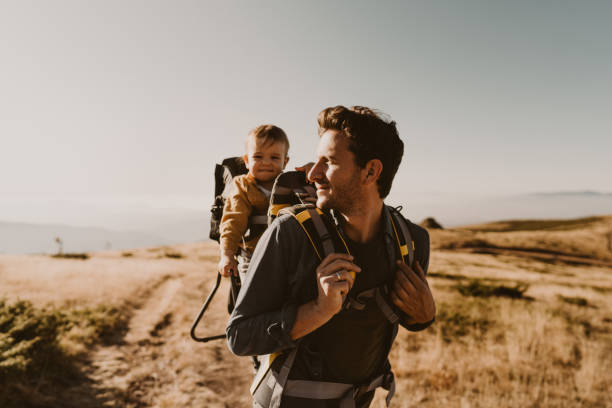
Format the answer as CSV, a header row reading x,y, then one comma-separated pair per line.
x,y
257,156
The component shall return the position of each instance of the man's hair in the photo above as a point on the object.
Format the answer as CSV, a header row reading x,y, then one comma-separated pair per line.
x,y
268,134
370,136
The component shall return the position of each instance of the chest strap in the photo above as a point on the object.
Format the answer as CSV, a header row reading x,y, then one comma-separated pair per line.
x,y
379,294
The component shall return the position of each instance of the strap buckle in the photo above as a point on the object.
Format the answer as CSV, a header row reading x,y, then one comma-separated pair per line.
x,y
352,303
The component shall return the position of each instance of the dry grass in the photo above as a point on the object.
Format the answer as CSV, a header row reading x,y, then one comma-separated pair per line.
x,y
552,349
549,347
587,237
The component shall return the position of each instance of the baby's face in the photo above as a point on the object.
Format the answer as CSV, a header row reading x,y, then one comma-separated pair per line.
x,y
265,161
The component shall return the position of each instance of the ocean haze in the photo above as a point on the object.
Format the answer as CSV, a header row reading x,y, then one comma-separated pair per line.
x,y
30,223
460,209
85,225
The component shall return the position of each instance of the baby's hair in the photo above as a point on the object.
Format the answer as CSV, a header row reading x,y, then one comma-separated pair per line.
x,y
268,134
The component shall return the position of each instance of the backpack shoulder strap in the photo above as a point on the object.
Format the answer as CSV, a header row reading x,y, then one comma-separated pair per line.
x,y
319,228
403,237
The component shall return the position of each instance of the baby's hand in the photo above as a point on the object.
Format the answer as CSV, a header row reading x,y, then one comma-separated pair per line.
x,y
228,266
305,168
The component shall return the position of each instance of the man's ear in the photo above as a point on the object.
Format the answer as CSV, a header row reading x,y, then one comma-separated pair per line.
x,y
372,169
246,160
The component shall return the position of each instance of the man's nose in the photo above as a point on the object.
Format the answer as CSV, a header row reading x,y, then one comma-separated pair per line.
x,y
315,172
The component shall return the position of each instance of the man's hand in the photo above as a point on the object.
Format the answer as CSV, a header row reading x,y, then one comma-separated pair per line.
x,y
227,265
411,294
335,280
335,277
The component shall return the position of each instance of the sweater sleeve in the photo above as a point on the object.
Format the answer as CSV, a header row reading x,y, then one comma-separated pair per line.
x,y
236,213
265,311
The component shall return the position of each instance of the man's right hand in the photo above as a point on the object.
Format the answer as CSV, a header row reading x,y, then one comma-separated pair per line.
x,y
227,266
336,275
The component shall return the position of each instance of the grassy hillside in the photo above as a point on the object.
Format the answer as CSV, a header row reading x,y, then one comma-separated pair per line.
x,y
523,320
583,238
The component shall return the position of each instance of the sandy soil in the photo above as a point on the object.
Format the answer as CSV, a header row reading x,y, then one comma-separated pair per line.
x,y
156,364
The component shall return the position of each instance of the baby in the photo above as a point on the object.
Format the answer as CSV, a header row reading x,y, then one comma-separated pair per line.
x,y
266,156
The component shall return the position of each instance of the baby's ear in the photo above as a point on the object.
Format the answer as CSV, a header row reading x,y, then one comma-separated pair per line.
x,y
286,161
246,159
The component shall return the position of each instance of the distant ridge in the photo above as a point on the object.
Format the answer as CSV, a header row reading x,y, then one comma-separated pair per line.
x,y
585,193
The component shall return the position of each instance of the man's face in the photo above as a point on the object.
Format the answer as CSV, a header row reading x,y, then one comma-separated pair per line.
x,y
335,173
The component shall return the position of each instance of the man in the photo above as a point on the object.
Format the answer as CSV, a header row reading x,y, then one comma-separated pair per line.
x,y
292,302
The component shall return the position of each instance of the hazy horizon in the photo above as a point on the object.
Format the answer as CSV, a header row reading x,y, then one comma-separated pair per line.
x,y
148,213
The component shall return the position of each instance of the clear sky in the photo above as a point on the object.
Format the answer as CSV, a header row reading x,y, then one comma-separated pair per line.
x,y
125,99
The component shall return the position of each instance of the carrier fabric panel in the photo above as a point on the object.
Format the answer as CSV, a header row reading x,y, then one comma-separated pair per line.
x,y
289,189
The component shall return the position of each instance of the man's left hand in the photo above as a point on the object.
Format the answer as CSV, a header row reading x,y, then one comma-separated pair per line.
x,y
411,294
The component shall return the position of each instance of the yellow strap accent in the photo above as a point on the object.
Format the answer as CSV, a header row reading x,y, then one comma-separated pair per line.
x,y
302,216
403,248
275,208
266,364
398,240
307,216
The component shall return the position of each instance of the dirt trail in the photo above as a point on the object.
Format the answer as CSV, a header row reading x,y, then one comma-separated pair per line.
x,y
154,314
156,364
111,367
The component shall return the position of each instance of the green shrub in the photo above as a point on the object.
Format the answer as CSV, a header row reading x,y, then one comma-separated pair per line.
x,y
446,276
102,324
468,243
173,255
536,225
476,288
28,339
458,320
578,301
74,255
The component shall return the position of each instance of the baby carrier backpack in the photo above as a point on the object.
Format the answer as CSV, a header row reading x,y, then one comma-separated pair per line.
x,y
290,188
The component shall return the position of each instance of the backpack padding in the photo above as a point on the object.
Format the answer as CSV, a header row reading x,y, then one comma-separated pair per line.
x,y
290,188
224,173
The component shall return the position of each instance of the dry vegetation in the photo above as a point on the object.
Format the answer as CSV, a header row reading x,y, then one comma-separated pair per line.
x,y
524,319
